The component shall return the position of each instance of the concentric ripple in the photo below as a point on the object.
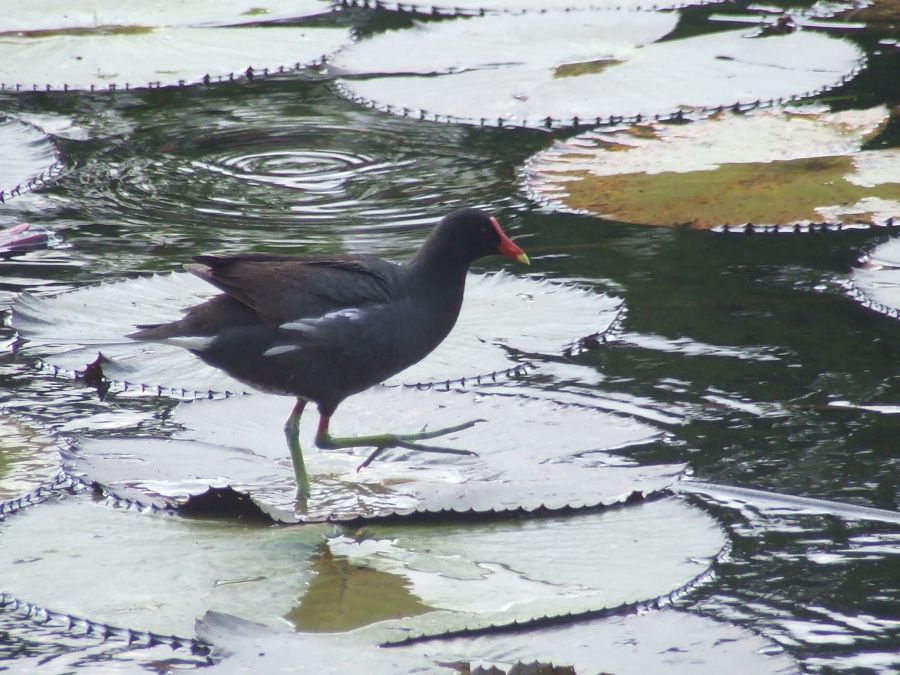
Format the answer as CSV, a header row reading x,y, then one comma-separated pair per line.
x,y
303,171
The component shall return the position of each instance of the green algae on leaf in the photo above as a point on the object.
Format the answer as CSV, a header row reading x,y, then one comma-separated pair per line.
x,y
770,168
502,70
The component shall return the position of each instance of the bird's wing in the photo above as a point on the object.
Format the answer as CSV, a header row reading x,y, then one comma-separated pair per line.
x,y
282,289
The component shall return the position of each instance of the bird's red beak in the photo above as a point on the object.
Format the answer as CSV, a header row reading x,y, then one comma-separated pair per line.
x,y
507,247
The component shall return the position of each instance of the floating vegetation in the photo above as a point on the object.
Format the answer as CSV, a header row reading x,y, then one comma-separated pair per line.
x,y
503,70
767,168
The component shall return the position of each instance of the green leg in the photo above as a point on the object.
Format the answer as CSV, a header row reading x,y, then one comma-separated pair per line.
x,y
382,442
292,435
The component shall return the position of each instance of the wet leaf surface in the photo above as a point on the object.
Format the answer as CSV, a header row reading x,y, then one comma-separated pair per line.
x,y
27,456
475,575
516,571
30,158
524,461
103,59
159,572
345,595
504,320
504,69
35,644
45,16
665,641
480,7
765,168
877,282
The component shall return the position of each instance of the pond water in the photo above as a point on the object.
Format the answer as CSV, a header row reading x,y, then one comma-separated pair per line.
x,y
737,346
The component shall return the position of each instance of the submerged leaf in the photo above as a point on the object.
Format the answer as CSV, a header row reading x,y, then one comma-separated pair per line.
x,y
502,315
769,168
29,158
504,69
168,56
877,282
524,463
668,642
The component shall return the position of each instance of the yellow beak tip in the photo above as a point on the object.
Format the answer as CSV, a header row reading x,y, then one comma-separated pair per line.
x,y
522,258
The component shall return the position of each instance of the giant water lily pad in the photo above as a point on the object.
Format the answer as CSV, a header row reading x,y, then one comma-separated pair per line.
x,y
480,7
55,17
160,572
29,158
103,57
27,455
667,642
504,320
765,168
532,454
876,283
506,573
581,68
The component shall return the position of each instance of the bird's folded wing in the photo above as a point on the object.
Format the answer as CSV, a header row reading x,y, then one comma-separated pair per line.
x,y
281,289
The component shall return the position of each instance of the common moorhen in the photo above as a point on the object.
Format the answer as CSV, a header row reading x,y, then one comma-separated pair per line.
x,y
324,328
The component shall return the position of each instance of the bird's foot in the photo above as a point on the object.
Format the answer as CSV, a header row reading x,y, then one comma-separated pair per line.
x,y
382,442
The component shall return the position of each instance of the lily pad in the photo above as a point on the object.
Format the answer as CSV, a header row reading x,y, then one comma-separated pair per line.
x,y
571,68
533,454
160,573
666,642
40,640
481,7
504,321
478,576
876,283
26,456
777,168
43,17
29,158
104,57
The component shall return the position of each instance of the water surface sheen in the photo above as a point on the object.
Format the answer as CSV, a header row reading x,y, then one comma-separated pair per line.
x,y
734,345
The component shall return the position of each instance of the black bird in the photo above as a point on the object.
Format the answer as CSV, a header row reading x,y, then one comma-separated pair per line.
x,y
324,328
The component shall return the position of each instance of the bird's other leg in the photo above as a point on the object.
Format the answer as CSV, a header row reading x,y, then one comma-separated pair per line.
x,y
382,442
292,435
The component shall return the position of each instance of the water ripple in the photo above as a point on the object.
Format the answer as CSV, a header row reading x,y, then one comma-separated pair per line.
x,y
276,171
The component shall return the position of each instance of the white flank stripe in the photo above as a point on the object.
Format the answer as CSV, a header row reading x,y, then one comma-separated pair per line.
x,y
197,343
283,349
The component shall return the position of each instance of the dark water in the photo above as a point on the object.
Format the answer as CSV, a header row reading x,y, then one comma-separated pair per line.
x,y
739,342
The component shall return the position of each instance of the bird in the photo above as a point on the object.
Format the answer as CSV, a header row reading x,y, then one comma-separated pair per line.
x,y
322,328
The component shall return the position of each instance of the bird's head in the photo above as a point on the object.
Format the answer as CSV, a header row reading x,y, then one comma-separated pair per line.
x,y
470,234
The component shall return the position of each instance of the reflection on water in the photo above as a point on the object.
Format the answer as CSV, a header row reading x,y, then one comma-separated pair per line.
x,y
740,349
